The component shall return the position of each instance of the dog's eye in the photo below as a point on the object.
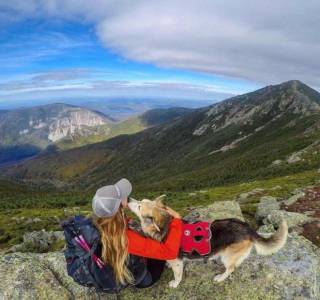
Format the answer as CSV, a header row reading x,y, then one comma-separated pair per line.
x,y
139,207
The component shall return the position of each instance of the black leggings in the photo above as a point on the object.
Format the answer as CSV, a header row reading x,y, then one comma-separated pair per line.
x,y
155,268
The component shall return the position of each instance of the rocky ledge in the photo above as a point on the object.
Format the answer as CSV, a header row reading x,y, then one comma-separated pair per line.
x,y
292,273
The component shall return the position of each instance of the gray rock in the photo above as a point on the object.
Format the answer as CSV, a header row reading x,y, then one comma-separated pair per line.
x,y
266,205
266,229
37,276
293,199
57,235
221,210
244,196
277,187
293,219
293,158
277,162
38,241
203,191
193,216
201,130
29,221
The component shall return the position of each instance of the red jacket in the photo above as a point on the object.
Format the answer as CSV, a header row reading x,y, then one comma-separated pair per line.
x,y
147,247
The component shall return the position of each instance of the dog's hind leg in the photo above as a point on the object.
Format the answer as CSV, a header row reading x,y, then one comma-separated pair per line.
x,y
177,268
232,257
225,275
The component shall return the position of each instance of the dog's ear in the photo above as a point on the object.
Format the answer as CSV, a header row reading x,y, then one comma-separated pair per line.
x,y
160,217
159,202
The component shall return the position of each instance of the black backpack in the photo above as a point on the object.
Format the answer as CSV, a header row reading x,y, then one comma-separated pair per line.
x,y
82,253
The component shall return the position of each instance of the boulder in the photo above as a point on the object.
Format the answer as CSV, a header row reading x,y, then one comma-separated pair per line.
x,y
277,162
220,210
293,199
244,196
37,276
294,158
266,205
277,187
38,241
293,219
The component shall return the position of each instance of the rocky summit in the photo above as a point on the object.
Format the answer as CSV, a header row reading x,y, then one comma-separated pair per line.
x,y
292,273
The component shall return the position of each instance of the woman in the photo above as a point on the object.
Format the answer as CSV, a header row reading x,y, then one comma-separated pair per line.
x,y
121,245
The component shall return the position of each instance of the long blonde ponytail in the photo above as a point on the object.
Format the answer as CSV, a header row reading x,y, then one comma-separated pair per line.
x,y
115,245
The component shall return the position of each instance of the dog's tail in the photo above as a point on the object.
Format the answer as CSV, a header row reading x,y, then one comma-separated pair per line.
x,y
268,246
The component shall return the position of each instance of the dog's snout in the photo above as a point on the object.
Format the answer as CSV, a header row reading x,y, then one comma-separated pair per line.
x,y
130,199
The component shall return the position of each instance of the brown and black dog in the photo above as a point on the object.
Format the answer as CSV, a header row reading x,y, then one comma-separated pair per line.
x,y
232,239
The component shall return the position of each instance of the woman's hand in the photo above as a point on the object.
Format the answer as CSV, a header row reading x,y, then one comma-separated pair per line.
x,y
172,212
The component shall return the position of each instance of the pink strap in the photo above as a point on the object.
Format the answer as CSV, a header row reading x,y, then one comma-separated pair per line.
x,y
84,245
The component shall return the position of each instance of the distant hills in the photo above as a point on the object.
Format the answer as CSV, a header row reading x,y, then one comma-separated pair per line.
x,y
42,125
120,108
132,125
272,131
28,131
124,108
25,132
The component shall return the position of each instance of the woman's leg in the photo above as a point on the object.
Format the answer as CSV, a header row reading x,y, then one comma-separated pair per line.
x,y
155,268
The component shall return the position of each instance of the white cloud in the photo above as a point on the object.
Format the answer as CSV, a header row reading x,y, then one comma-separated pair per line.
x,y
82,82
261,41
264,41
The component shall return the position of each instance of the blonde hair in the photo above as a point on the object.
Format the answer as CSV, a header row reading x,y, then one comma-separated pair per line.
x,y
115,245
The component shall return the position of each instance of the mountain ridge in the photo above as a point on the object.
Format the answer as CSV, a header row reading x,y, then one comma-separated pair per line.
x,y
236,139
27,132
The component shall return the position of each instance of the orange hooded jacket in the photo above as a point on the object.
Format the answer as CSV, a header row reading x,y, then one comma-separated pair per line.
x,y
147,247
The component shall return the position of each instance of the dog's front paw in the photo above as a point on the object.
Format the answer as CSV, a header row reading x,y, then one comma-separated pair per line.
x,y
173,284
219,278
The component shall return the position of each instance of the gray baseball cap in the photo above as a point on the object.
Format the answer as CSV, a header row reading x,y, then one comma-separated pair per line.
x,y
107,199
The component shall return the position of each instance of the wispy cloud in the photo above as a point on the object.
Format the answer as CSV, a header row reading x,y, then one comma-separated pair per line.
x,y
61,75
75,82
24,49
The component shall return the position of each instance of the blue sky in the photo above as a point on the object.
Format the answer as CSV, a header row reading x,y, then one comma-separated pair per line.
x,y
83,48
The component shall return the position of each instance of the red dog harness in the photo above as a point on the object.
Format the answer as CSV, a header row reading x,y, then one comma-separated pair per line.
x,y
196,237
